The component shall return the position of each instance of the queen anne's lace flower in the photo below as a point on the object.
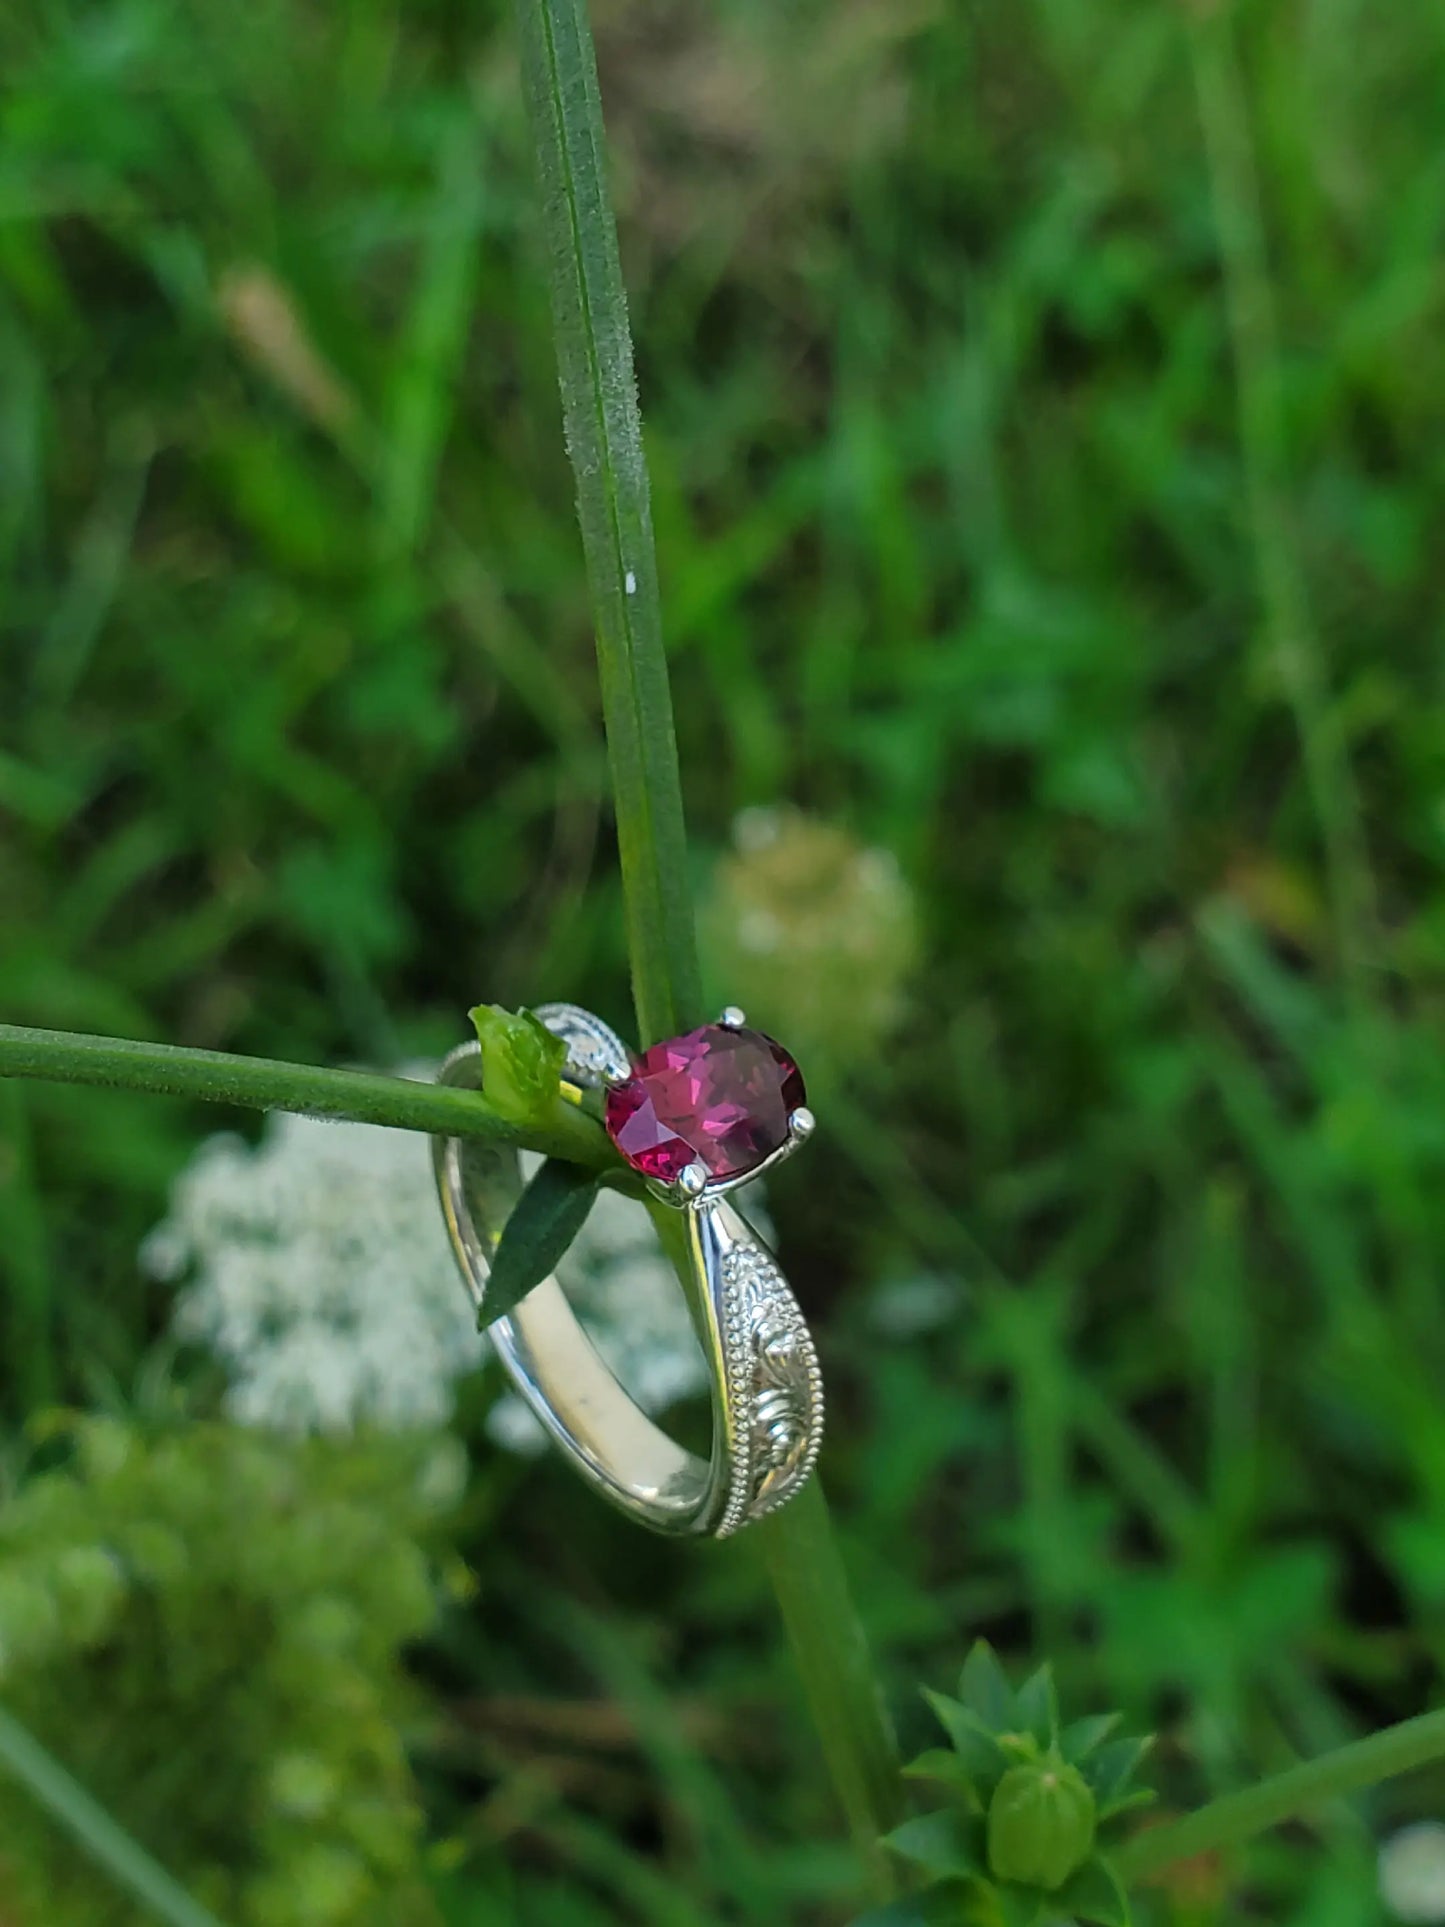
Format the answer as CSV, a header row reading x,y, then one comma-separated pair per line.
x,y
319,1275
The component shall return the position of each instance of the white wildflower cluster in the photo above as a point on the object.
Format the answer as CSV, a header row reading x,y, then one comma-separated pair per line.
x,y
317,1271
320,1277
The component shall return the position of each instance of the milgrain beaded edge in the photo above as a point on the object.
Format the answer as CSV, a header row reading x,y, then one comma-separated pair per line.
x,y
753,1290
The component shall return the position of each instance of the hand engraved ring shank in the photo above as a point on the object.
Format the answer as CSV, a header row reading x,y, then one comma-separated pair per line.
x,y
767,1395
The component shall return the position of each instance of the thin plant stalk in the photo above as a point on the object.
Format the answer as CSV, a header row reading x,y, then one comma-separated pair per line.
x,y
604,440
835,1666
1285,1796
95,1833
262,1083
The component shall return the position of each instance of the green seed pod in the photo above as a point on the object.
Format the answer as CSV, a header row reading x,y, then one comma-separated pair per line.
x,y
1040,1824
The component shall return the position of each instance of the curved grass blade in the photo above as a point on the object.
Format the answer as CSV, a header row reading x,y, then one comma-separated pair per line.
x,y
95,1832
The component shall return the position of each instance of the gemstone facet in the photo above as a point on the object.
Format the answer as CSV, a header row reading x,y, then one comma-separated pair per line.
x,y
716,1097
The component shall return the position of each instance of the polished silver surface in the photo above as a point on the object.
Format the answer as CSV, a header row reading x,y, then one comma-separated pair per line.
x,y
767,1393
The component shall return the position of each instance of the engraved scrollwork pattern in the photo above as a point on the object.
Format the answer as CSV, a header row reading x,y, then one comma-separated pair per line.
x,y
775,1387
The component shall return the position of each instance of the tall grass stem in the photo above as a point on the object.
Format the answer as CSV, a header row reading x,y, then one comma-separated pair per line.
x,y
604,440
91,1827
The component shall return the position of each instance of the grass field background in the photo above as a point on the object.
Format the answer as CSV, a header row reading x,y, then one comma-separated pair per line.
x,y
1044,406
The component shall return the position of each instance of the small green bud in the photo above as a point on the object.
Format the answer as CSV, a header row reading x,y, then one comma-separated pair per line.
x,y
302,1786
326,1625
103,1446
521,1062
29,1622
1040,1824
90,1584
154,1553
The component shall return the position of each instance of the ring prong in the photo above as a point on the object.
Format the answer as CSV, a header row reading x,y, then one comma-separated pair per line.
x,y
732,1018
614,1074
693,1181
802,1123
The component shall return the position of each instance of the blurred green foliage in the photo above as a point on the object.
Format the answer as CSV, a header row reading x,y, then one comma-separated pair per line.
x,y
299,754
205,1627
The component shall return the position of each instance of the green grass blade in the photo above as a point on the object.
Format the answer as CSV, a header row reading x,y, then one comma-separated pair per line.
x,y
88,1823
604,439
537,1236
1228,138
420,405
1300,1789
30,1313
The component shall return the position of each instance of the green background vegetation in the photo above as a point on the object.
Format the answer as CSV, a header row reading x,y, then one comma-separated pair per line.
x,y
1044,407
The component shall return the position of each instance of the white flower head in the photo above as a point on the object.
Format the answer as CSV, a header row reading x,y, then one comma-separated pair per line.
x,y
1412,1872
320,1276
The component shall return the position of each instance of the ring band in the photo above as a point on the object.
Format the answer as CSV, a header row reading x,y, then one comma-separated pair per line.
x,y
767,1393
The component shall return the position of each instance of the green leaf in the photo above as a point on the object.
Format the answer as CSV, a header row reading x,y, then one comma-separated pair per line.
x,y
984,1689
1020,1906
1037,1707
1141,1796
1083,1737
521,1062
1094,1895
943,1766
939,1843
984,1760
939,1907
604,440
544,1221
1110,1770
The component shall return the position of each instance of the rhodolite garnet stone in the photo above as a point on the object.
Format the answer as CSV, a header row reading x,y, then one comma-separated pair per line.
x,y
718,1097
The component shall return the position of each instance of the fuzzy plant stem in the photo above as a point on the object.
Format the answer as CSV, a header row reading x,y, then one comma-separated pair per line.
x,y
1239,1816
604,440
364,1097
93,1830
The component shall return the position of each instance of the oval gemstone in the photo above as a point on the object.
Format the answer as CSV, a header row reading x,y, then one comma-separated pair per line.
x,y
716,1097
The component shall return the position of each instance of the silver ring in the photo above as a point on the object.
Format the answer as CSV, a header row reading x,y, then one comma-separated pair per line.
x,y
767,1393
